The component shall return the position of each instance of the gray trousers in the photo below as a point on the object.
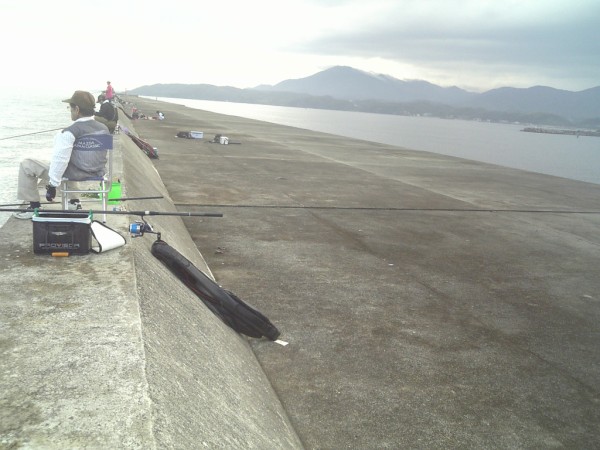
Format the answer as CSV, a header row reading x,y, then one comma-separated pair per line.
x,y
30,172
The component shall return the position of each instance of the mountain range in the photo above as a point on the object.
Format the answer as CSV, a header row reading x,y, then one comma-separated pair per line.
x,y
349,89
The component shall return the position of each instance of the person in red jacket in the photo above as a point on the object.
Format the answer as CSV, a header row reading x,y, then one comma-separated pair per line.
x,y
110,92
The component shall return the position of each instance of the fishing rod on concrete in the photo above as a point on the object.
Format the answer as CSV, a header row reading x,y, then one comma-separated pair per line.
x,y
136,229
29,134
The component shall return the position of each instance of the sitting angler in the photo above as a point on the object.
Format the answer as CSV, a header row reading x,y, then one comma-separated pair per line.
x,y
65,161
108,113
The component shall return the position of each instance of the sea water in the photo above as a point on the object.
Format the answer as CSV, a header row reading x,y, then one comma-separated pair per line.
x,y
25,112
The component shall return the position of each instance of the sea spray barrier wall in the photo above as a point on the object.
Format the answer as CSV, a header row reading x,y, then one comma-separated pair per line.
x,y
112,351
205,384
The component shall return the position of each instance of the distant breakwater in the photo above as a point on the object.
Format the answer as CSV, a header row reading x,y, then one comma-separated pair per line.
x,y
568,132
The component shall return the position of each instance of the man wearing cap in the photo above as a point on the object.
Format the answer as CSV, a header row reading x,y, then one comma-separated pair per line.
x,y
108,114
65,161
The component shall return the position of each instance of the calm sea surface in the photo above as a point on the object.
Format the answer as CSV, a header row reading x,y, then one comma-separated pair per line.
x,y
506,145
26,112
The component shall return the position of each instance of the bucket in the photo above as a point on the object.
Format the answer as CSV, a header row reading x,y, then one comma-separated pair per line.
x,y
115,192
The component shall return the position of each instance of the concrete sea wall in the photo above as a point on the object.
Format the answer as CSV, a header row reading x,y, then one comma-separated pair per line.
x,y
429,301
112,351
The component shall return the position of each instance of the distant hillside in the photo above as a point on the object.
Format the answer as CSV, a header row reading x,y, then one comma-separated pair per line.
x,y
352,84
345,88
575,106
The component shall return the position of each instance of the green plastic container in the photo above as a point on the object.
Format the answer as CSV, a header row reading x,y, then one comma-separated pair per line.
x,y
115,193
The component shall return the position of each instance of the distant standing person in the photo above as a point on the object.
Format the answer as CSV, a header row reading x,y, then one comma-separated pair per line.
x,y
110,92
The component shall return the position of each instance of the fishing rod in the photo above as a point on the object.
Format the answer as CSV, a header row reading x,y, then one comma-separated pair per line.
x,y
122,199
128,213
137,229
370,208
29,134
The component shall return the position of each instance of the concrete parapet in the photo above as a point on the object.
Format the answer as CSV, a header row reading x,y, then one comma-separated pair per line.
x,y
112,351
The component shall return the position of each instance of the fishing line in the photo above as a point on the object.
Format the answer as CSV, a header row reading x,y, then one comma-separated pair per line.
x,y
29,134
359,208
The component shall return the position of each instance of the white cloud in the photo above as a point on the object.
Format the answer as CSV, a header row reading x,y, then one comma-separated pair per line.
x,y
68,44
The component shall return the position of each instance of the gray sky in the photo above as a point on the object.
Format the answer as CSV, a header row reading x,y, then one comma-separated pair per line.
x,y
474,44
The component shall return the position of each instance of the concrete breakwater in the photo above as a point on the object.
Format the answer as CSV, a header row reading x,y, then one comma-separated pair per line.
x,y
429,301
566,132
111,351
